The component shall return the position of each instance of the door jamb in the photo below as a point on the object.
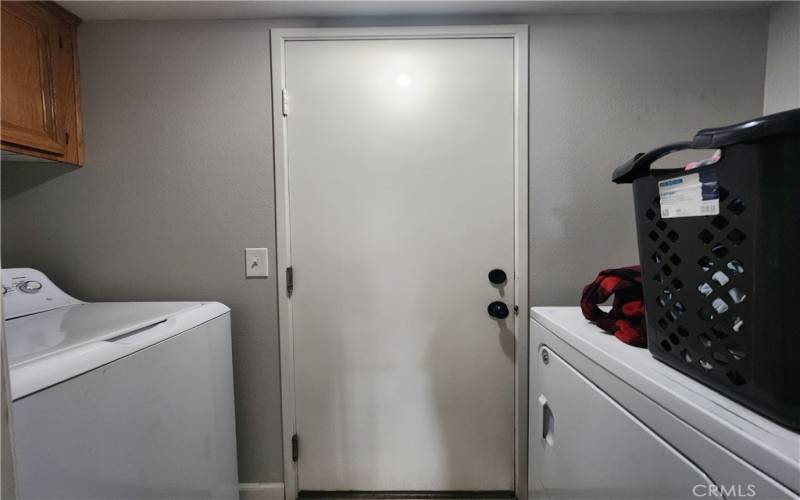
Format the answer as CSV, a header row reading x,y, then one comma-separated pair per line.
x,y
519,35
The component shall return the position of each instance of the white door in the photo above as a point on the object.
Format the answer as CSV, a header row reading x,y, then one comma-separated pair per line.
x,y
400,202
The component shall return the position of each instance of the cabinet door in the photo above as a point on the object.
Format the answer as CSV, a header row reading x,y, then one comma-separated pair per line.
x,y
28,88
584,445
65,75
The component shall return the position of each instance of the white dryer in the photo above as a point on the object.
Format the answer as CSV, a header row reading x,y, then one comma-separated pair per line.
x,y
608,421
118,400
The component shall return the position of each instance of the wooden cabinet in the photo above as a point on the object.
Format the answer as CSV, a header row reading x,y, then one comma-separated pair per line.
x,y
40,111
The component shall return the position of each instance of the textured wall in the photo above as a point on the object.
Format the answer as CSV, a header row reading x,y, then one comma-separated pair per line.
x,y
782,83
604,88
178,177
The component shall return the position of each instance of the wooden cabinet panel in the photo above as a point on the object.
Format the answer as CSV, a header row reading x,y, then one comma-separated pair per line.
x,y
40,99
68,93
28,97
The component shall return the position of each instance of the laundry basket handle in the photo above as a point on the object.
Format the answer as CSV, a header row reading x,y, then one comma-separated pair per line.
x,y
639,165
785,122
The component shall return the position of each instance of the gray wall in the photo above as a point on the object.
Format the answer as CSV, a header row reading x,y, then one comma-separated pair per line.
x,y
177,182
604,88
178,176
782,82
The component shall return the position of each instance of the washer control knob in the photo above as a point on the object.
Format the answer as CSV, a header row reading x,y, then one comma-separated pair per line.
x,y
29,286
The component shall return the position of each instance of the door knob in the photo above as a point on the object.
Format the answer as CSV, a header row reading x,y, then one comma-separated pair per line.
x,y
498,310
497,276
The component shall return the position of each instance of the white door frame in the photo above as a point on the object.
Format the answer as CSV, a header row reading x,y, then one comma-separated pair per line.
x,y
519,34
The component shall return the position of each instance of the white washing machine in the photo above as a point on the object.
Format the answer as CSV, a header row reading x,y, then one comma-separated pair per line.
x,y
118,400
608,421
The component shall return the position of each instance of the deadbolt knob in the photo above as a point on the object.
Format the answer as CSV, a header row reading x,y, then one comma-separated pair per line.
x,y
498,310
497,276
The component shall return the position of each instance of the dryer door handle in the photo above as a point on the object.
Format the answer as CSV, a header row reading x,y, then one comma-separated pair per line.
x,y
548,421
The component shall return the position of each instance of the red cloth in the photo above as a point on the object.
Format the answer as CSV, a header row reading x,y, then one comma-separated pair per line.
x,y
626,318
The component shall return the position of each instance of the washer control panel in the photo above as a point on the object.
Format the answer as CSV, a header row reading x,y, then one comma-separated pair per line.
x,y
27,291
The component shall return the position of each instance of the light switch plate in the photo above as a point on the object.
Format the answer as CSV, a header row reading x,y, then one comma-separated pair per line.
x,y
255,260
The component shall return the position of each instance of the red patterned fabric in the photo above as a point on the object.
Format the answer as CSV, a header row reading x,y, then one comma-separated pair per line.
x,y
625,320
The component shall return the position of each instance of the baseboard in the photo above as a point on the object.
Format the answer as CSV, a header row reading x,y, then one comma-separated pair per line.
x,y
261,491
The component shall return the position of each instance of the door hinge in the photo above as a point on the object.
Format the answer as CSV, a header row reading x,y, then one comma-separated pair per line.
x,y
285,99
295,448
516,310
289,281
66,137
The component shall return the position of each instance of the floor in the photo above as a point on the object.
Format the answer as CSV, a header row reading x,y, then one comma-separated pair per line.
x,y
409,497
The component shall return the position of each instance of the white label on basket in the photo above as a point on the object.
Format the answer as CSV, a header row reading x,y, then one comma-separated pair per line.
x,y
691,195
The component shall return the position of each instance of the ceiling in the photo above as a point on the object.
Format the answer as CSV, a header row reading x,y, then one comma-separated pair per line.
x,y
192,9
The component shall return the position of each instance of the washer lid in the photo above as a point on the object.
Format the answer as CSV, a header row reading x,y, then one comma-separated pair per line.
x,y
40,335
48,348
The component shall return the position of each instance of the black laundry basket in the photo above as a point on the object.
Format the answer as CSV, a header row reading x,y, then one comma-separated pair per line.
x,y
722,292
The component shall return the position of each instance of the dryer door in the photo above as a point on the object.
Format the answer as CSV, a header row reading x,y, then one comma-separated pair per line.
x,y
584,445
